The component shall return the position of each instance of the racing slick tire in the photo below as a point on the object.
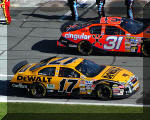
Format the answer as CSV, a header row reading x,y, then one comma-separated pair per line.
x,y
104,92
85,48
146,49
19,66
38,90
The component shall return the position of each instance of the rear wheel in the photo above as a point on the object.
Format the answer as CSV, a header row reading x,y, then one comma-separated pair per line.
x,y
38,90
85,48
104,92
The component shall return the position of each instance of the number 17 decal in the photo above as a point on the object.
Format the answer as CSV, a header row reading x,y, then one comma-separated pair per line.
x,y
114,42
70,87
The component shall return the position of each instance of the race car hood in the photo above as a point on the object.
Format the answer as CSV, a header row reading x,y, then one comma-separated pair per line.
x,y
116,74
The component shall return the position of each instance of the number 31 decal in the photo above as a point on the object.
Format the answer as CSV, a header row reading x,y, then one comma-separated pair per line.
x,y
114,42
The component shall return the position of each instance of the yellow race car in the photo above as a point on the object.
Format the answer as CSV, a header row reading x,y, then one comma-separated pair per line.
x,y
75,76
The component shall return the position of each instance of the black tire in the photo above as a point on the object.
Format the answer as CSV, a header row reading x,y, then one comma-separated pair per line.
x,y
38,90
85,48
19,66
104,92
146,49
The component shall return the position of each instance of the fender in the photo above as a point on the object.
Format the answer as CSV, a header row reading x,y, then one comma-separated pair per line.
x,y
5,5
105,81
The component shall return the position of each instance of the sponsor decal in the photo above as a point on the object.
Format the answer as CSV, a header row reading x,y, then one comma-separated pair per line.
x,y
82,84
93,86
82,89
89,91
134,48
121,87
86,87
127,46
125,75
71,45
50,90
34,79
136,87
131,43
88,82
97,39
115,85
118,91
77,36
112,72
50,86
89,87
82,81
82,92
19,85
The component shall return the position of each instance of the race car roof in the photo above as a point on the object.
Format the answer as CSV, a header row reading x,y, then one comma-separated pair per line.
x,y
65,61
111,20
54,61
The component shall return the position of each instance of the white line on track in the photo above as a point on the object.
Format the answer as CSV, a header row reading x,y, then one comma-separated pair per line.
x,y
2,75
76,103
3,98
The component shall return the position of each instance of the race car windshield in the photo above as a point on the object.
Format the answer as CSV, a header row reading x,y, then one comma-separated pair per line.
x,y
132,26
89,68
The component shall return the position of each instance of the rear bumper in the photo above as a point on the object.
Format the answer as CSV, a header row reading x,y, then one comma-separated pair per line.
x,y
63,42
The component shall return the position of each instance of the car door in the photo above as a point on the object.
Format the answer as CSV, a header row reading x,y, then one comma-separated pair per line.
x,y
96,34
114,39
68,79
47,76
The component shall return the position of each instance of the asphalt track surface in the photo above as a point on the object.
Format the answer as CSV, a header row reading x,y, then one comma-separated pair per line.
x,y
32,36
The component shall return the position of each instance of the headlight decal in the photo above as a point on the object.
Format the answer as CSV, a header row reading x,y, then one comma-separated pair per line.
x,y
118,89
132,84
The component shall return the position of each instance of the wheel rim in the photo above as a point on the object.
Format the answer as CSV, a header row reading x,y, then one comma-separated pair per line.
x,y
38,91
85,48
144,51
104,92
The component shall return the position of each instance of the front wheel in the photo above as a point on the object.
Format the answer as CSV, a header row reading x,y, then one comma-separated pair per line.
x,y
85,48
38,90
146,49
104,92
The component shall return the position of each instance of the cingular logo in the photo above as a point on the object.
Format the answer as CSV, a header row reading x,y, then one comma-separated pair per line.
x,y
77,36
